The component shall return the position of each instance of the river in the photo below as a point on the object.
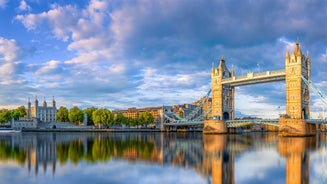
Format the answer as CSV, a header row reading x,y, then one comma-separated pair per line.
x,y
154,157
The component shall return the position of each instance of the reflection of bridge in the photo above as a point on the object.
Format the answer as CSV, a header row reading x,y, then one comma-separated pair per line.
x,y
213,156
223,82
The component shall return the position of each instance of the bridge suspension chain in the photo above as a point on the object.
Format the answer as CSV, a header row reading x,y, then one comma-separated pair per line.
x,y
316,90
195,112
194,115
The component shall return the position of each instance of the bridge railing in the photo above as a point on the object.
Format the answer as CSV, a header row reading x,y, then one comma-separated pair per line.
x,y
317,121
261,74
275,72
240,123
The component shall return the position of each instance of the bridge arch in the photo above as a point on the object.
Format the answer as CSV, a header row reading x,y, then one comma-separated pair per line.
x,y
304,114
226,116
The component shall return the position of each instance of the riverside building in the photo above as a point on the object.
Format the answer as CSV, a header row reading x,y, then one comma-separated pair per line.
x,y
43,113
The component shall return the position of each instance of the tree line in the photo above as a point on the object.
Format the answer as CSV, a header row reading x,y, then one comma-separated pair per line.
x,y
6,115
98,117
102,117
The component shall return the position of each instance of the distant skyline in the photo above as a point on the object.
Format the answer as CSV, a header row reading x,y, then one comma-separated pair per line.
x,y
140,53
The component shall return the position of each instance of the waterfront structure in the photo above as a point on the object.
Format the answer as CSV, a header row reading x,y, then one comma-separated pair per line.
x,y
157,112
295,75
184,109
135,112
22,124
206,106
43,113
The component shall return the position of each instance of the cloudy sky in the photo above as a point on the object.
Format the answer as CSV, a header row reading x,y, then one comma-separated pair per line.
x,y
140,53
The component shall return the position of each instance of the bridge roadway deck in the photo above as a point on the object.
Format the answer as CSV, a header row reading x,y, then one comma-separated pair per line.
x,y
255,78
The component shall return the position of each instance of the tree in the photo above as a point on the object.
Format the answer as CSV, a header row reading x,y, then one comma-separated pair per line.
x,y
62,114
89,112
21,111
75,115
121,119
14,114
145,118
103,117
5,116
131,121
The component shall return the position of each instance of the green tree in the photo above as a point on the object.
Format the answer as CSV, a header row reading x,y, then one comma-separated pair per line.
x,y
21,110
62,114
132,121
120,119
145,118
14,114
103,117
75,115
89,112
5,116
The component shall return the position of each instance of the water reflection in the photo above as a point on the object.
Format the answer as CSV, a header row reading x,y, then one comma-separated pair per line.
x,y
215,158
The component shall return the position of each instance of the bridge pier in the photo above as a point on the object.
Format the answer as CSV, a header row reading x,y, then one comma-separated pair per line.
x,y
213,126
295,127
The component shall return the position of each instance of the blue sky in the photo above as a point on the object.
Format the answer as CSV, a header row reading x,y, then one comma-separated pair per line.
x,y
140,53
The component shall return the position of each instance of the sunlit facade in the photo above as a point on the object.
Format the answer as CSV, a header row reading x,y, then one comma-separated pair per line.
x,y
43,113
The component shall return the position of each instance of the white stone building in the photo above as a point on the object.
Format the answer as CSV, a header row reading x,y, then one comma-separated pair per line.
x,y
43,113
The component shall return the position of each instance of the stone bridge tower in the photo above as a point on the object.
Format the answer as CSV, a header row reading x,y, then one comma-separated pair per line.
x,y
297,92
222,95
297,95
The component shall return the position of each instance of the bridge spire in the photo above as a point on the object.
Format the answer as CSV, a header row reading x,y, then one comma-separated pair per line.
x,y
222,60
297,50
287,54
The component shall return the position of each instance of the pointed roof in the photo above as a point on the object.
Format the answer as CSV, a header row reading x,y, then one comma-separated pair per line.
x,y
297,49
222,60
287,54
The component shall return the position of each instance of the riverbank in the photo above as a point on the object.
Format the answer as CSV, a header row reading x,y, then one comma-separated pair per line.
x,y
89,130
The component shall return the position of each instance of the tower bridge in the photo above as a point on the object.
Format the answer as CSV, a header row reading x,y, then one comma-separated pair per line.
x,y
295,122
296,72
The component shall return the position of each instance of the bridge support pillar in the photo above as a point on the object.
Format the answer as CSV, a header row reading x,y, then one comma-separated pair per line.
x,y
213,126
295,127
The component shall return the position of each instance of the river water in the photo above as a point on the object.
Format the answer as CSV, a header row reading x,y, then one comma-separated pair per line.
x,y
161,158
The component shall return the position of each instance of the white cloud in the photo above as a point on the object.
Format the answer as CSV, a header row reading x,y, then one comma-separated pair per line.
x,y
3,3
256,105
50,67
9,50
323,57
23,6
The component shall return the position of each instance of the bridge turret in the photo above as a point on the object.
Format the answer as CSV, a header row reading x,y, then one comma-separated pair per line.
x,y
222,95
297,93
297,50
287,57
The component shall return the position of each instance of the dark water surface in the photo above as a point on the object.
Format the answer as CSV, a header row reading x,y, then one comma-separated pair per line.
x,y
161,158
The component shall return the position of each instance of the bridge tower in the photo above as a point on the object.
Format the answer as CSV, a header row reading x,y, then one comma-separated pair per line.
x,y
297,95
297,92
222,95
222,100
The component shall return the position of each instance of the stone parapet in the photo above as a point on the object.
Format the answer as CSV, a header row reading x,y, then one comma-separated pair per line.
x,y
213,126
295,127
